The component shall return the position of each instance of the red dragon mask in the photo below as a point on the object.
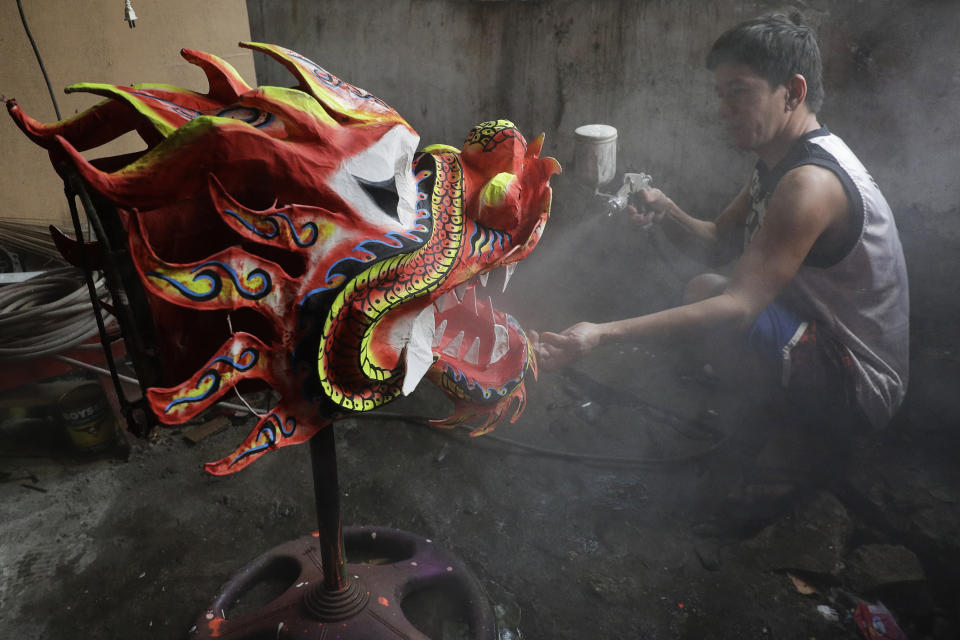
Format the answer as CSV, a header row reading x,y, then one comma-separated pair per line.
x,y
301,231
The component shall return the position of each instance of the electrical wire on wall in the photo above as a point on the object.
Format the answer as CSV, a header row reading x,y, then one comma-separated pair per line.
x,y
128,14
51,312
36,52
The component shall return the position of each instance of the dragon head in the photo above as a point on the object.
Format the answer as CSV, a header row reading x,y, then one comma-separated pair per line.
x,y
300,230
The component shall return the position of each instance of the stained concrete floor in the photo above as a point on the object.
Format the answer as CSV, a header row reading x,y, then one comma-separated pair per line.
x,y
565,548
567,541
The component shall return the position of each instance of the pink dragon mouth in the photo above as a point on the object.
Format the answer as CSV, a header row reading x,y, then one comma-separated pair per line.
x,y
472,336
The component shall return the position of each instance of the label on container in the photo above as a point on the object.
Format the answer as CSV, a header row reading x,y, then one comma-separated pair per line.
x,y
87,418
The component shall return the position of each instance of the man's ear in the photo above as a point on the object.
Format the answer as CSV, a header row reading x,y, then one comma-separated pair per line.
x,y
796,92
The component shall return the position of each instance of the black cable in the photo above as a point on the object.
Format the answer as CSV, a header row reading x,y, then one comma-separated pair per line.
x,y
36,52
557,453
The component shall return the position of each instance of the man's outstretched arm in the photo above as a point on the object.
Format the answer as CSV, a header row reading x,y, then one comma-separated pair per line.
x,y
808,201
655,207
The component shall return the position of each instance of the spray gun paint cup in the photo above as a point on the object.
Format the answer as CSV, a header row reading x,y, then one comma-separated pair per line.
x,y
595,154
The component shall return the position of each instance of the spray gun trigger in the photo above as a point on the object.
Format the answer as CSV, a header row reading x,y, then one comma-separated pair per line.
x,y
632,183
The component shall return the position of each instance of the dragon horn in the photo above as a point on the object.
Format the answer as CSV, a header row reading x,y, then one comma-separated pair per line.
x,y
534,148
100,181
91,128
163,120
336,96
226,84
87,255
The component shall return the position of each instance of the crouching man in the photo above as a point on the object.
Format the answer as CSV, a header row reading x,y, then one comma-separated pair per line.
x,y
820,289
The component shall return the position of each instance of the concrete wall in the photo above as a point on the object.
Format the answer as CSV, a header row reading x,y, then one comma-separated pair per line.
x,y
892,81
90,42
892,84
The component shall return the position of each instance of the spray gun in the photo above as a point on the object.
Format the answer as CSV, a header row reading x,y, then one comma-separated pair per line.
x,y
595,164
632,183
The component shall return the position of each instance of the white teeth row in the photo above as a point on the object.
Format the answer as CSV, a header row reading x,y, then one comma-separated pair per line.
x,y
472,355
501,344
466,294
484,278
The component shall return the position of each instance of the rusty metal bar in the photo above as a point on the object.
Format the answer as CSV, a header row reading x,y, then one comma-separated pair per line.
x,y
326,488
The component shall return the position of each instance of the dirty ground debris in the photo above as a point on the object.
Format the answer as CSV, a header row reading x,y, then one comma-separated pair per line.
x,y
111,549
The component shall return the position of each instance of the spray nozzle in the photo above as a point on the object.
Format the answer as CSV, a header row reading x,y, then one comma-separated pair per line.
x,y
632,183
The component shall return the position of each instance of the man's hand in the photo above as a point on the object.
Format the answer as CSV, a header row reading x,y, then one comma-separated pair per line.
x,y
648,207
555,350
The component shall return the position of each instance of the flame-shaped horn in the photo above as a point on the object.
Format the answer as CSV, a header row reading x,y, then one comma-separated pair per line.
x,y
226,84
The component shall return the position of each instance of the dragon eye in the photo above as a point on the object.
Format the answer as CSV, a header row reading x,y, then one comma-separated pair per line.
x,y
377,181
253,117
384,193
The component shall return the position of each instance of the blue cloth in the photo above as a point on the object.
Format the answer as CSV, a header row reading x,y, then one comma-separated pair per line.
x,y
773,329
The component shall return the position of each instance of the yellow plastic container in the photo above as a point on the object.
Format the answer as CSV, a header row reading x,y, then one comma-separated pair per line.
x,y
87,418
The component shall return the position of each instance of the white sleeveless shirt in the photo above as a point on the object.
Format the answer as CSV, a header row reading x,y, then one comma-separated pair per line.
x,y
861,297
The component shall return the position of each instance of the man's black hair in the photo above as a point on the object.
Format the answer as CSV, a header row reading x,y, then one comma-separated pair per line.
x,y
776,47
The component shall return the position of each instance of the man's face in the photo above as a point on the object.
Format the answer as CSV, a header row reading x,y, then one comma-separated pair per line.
x,y
751,110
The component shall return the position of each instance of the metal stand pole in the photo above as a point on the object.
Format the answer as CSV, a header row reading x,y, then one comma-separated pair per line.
x,y
366,607
74,188
129,305
326,489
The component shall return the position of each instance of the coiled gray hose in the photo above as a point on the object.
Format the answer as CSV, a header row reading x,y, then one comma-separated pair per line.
x,y
47,314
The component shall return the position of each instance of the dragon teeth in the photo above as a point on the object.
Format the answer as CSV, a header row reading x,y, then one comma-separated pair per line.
x,y
446,301
438,334
464,293
418,354
473,354
470,299
453,349
510,269
501,342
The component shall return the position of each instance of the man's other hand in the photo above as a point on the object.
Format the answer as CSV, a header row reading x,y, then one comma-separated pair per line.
x,y
555,350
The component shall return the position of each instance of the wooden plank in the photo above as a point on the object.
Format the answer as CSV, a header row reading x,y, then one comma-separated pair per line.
x,y
202,431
